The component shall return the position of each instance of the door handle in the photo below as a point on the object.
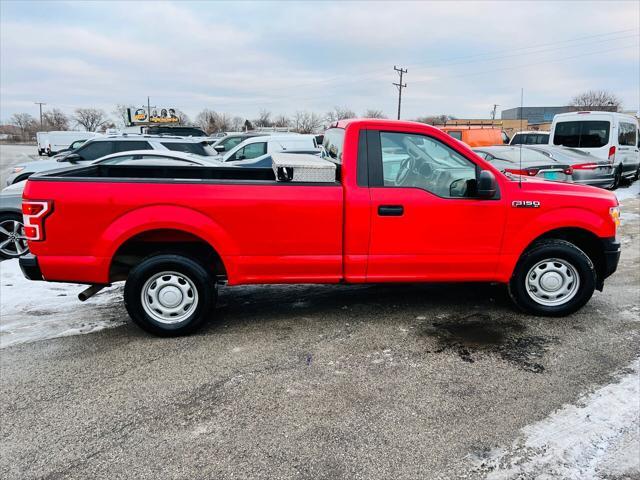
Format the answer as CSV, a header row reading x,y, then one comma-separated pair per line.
x,y
390,210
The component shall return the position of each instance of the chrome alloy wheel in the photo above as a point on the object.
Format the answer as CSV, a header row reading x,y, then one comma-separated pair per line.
x,y
169,297
552,282
13,243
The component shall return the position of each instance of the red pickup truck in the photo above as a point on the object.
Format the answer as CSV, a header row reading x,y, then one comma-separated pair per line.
x,y
409,204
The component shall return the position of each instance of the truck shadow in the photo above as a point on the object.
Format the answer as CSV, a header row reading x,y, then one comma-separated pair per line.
x,y
444,317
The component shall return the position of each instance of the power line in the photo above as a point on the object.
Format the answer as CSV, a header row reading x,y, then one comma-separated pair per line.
x,y
400,86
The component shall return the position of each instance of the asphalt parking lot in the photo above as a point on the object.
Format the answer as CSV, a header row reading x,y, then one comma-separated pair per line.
x,y
401,381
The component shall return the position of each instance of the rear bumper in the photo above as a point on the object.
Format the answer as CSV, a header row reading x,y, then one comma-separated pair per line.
x,y
30,268
601,177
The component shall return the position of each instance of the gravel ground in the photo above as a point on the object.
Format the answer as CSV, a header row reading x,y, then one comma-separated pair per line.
x,y
401,381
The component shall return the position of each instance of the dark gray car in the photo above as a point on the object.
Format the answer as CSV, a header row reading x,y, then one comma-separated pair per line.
x,y
586,168
525,161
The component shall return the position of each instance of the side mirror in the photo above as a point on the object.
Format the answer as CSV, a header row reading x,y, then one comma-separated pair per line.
x,y
220,148
487,184
72,158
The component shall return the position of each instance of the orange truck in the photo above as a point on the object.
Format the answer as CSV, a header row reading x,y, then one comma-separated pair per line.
x,y
476,136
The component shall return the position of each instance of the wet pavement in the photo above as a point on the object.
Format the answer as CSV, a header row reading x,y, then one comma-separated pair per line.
x,y
314,382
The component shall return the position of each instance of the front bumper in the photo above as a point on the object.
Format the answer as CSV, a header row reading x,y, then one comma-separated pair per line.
x,y
30,268
611,249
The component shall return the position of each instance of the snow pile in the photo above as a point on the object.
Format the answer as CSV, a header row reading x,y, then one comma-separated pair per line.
x,y
32,311
631,191
597,438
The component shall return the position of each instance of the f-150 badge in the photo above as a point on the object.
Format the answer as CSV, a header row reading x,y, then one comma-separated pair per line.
x,y
525,204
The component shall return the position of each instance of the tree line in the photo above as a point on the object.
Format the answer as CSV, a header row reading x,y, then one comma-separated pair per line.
x,y
211,121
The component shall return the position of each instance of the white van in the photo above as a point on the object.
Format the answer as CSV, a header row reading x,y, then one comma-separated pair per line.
x,y
43,142
255,147
61,140
606,135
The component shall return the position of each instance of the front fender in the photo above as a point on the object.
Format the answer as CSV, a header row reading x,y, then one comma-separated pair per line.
x,y
520,235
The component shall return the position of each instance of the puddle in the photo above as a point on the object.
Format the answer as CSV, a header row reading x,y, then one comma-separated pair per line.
x,y
477,334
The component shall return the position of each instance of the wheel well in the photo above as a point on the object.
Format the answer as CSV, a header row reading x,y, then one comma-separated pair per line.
x,y
135,249
586,241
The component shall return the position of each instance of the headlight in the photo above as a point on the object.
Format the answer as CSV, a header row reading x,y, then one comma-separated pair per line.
x,y
17,169
614,213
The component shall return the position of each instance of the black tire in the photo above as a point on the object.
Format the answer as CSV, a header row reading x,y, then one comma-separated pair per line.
x,y
194,272
617,178
6,219
637,175
553,249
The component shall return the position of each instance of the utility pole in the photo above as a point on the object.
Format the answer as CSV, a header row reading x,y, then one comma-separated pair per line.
x,y
148,110
400,86
40,103
493,111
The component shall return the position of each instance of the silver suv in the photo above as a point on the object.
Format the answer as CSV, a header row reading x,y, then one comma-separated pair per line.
x,y
99,147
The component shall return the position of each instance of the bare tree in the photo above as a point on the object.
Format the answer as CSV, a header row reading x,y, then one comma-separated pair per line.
x,y
597,100
237,124
208,121
264,119
339,113
281,121
55,120
372,113
120,112
90,118
307,122
26,123
183,118
435,119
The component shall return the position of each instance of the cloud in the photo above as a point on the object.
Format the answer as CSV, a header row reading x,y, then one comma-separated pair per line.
x,y
240,57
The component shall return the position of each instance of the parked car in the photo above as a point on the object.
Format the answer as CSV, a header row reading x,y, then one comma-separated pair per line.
x,y
526,161
606,135
58,141
102,146
228,142
179,131
586,168
445,215
476,136
13,243
74,146
530,138
257,146
43,142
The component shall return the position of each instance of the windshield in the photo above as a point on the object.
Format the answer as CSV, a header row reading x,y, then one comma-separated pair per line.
x,y
202,148
582,134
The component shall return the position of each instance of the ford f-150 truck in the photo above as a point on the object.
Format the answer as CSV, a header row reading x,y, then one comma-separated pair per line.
x,y
408,203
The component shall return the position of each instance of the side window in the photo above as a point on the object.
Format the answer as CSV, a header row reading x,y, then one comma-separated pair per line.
x,y
424,162
250,151
95,150
456,134
196,148
229,143
129,145
627,134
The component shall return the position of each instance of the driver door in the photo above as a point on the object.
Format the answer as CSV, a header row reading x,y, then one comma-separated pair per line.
x,y
427,224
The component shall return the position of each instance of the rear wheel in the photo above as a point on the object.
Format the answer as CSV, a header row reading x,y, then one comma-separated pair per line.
x,y
617,178
553,278
13,243
169,295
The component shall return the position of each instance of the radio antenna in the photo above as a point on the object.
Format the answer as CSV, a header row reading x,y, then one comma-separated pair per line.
x,y
521,129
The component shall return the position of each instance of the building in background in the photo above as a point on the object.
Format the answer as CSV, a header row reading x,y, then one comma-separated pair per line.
x,y
540,118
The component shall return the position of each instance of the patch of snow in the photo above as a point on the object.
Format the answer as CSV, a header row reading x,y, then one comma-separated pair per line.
x,y
594,439
626,217
32,311
630,191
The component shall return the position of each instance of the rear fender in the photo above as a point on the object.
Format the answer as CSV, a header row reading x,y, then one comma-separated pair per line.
x,y
160,217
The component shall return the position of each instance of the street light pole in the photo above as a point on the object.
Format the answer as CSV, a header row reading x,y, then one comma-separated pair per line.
x,y
40,104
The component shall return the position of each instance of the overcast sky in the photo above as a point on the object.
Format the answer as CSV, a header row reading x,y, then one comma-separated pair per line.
x,y
462,57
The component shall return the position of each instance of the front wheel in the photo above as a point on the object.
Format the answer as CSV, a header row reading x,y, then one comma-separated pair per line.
x,y
553,278
169,295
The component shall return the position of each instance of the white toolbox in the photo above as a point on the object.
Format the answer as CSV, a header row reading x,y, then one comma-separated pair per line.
x,y
303,167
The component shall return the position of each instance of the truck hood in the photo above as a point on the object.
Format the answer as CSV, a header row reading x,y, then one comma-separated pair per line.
x,y
574,190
